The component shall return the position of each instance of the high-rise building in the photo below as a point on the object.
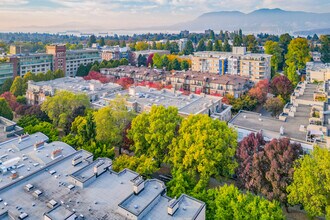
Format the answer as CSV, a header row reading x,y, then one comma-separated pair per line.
x,y
34,63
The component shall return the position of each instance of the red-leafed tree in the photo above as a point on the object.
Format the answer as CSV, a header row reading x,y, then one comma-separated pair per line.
x,y
11,99
149,60
259,91
125,82
268,170
281,85
93,75
246,149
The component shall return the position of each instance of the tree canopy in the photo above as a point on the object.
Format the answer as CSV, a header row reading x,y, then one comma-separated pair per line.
x,y
311,183
60,107
5,110
204,147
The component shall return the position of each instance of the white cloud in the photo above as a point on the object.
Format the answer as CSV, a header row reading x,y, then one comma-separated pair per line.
x,y
13,2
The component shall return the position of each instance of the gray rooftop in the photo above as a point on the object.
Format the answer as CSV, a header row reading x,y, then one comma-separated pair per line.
x,y
99,199
8,129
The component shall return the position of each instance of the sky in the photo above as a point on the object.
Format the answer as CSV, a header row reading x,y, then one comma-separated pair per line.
x,y
107,15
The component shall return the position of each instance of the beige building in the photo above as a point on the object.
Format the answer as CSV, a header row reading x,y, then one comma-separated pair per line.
x,y
207,83
238,62
318,72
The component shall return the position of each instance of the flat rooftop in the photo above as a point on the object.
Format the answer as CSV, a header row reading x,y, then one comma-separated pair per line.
x,y
99,199
78,85
8,129
271,126
22,159
191,104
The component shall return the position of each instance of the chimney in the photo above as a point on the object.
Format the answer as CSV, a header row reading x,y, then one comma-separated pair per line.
x,y
56,154
76,160
39,145
172,206
138,184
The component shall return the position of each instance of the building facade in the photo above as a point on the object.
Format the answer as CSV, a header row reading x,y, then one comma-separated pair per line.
x,y
211,84
254,66
75,58
6,71
34,63
59,56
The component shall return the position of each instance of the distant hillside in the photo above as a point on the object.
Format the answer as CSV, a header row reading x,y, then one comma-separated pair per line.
x,y
262,20
313,31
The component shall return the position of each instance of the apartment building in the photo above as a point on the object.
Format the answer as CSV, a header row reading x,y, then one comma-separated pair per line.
x,y
207,83
6,71
305,119
238,62
115,53
59,56
317,72
138,74
37,92
34,63
75,58
53,181
141,99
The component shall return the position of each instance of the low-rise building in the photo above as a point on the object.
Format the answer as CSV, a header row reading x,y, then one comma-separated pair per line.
x,y
238,62
115,53
317,72
8,129
208,83
53,181
37,92
141,99
137,73
305,119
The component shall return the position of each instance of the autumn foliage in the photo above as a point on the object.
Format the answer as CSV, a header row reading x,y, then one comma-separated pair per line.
x,y
93,75
125,82
259,91
267,168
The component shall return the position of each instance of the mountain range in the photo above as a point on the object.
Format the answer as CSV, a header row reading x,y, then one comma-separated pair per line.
x,y
263,20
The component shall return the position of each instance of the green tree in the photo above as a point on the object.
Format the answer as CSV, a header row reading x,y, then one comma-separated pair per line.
x,y
227,202
201,45
226,46
143,165
274,49
175,64
284,42
298,53
189,48
59,108
325,48
5,87
44,127
110,122
82,70
123,61
184,65
274,105
203,148
251,43
311,181
17,88
91,41
291,72
141,46
217,46
21,100
209,46
165,61
28,120
5,110
157,61
102,42
153,132
142,60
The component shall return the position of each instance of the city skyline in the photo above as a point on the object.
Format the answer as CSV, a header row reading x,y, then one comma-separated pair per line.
x,y
88,15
